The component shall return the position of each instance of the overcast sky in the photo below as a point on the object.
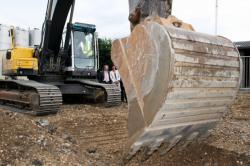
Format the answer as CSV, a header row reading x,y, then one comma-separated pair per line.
x,y
110,16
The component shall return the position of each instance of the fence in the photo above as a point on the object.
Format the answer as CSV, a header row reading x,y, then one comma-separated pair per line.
x,y
245,82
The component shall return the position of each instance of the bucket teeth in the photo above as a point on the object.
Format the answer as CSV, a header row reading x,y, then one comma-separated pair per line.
x,y
171,145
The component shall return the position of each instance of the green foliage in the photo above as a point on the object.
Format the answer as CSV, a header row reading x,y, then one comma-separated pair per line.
x,y
105,52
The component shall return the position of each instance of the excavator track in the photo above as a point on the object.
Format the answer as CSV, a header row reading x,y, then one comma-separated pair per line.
x,y
112,91
31,97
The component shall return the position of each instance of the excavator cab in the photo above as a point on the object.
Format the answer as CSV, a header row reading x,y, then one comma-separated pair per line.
x,y
83,50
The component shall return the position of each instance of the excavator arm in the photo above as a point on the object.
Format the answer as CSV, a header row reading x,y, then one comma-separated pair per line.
x,y
55,20
52,32
141,9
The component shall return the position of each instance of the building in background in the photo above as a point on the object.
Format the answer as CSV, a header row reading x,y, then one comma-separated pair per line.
x,y
244,49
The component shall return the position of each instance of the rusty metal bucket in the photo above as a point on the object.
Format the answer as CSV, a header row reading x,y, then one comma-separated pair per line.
x,y
179,83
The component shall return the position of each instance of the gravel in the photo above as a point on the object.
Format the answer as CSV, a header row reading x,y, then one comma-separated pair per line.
x,y
95,135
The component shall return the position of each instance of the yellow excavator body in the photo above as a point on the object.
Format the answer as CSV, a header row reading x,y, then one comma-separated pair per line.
x,y
20,61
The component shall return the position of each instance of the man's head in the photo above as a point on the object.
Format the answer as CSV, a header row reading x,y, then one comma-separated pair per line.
x,y
114,68
106,68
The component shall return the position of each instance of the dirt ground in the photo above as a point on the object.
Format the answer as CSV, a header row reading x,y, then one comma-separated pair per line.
x,y
95,135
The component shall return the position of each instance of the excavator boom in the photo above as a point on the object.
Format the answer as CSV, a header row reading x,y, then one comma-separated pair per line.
x,y
55,20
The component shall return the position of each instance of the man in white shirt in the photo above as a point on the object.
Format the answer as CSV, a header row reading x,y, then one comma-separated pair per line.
x,y
115,76
104,76
116,79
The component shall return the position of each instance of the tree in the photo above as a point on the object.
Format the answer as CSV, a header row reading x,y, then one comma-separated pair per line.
x,y
105,52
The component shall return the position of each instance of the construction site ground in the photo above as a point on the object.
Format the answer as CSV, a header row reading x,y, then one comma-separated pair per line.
x,y
94,135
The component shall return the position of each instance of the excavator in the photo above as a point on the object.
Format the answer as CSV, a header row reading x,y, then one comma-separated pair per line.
x,y
63,66
179,82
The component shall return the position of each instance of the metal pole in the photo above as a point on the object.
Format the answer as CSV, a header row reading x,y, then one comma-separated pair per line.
x,y
216,17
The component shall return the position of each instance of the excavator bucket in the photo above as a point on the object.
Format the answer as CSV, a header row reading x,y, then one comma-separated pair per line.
x,y
179,83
